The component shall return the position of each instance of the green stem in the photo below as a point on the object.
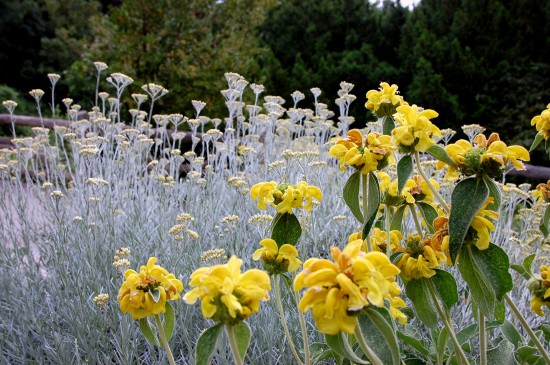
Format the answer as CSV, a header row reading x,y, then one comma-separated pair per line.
x,y
233,344
388,230
430,185
527,328
415,219
460,355
164,341
365,186
303,327
482,339
375,360
283,321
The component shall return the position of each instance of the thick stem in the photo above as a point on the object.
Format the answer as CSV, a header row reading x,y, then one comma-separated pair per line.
x,y
303,327
164,341
430,185
482,339
373,358
388,230
530,332
460,355
416,221
283,320
233,344
365,186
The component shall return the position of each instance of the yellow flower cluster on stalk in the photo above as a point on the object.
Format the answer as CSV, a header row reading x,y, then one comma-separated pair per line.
x,y
338,290
415,130
482,226
488,156
539,286
419,257
369,154
144,294
285,197
227,295
414,190
542,123
277,260
384,101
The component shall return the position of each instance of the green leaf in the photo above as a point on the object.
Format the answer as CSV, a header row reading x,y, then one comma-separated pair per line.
x,y
206,345
388,126
538,138
168,321
521,271
500,311
414,343
340,345
441,344
351,195
373,203
467,198
494,192
242,336
424,307
286,228
397,218
145,328
320,351
429,213
528,355
545,222
404,171
445,287
287,281
511,333
155,294
487,276
503,354
380,334
440,154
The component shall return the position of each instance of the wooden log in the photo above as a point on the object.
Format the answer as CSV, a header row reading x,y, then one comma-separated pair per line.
x,y
31,121
533,172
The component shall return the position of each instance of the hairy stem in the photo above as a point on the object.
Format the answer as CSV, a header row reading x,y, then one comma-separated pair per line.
x,y
233,345
460,355
283,320
373,358
430,185
164,341
525,325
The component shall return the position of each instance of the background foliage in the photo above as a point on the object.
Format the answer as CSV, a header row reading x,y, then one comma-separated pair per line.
x,y
484,62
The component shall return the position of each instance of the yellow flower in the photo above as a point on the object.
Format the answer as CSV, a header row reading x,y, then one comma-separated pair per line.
x,y
372,154
542,192
226,294
144,294
418,259
384,101
395,304
379,239
276,259
285,197
414,190
542,123
337,289
488,157
483,226
263,192
539,286
416,130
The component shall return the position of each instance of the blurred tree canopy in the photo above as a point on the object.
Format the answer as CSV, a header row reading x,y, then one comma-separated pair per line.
x,y
473,61
183,45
